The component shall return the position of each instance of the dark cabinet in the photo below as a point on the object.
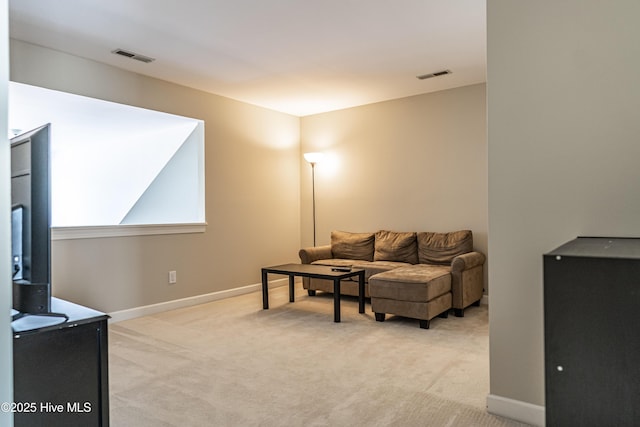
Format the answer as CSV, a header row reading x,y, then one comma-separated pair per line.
x,y
592,333
61,369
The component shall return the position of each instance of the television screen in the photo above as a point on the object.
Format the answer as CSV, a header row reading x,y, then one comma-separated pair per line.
x,y
31,221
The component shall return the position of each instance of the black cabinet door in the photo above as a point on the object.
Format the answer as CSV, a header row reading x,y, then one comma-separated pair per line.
x,y
592,341
62,375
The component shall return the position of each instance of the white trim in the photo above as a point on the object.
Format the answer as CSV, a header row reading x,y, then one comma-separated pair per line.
x,y
101,231
118,316
516,410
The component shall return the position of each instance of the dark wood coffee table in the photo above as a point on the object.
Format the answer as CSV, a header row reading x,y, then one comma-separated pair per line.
x,y
318,272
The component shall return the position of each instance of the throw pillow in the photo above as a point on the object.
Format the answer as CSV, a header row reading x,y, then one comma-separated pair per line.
x,y
396,246
347,245
441,248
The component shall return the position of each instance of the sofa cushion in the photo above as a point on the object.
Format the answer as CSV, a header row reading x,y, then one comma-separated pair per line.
x,y
395,246
419,283
441,248
358,246
375,267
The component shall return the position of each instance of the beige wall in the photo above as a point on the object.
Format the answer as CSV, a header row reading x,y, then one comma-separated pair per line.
x,y
564,145
252,193
417,163
6,337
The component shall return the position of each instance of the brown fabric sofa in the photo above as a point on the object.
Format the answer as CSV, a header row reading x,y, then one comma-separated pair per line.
x,y
413,274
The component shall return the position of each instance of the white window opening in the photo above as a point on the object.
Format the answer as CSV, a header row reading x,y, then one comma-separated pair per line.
x,y
115,169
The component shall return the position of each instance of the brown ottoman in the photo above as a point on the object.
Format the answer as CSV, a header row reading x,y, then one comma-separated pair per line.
x,y
419,291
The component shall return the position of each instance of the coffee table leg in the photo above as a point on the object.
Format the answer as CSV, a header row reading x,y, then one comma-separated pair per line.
x,y
336,300
292,295
265,291
361,292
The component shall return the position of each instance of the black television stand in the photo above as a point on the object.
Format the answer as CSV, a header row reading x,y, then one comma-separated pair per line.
x,y
63,365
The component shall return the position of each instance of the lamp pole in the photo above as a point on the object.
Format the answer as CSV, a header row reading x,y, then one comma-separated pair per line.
x,y
313,198
313,158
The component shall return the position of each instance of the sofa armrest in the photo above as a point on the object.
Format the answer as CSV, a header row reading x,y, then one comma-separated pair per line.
x,y
467,261
467,280
309,255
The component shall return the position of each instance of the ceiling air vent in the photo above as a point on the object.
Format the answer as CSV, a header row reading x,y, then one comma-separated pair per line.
x,y
133,55
436,74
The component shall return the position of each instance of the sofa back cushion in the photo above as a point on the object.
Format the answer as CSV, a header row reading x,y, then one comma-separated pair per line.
x,y
347,245
396,246
441,248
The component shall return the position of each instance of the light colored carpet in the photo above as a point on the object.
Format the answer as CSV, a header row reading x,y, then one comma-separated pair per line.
x,y
230,363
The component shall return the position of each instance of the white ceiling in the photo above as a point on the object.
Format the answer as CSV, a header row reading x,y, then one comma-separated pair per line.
x,y
297,56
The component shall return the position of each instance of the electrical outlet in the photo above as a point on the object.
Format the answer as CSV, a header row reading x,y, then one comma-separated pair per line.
x,y
172,277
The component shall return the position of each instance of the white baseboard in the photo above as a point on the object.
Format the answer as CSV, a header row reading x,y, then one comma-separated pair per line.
x,y
516,410
146,310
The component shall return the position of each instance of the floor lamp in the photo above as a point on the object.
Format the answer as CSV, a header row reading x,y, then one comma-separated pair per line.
x,y
313,158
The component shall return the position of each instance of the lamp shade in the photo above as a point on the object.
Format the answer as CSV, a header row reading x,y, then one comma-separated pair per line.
x,y
313,158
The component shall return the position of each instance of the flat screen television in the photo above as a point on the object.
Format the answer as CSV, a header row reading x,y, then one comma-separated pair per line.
x,y
31,221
